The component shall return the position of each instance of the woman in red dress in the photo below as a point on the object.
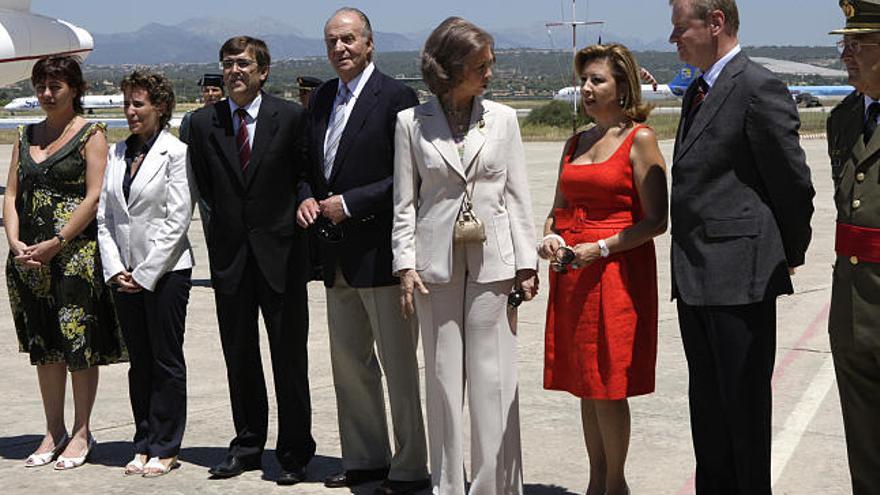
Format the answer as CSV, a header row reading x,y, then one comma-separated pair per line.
x,y
601,333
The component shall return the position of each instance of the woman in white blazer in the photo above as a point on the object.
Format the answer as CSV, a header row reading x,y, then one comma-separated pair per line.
x,y
143,217
455,150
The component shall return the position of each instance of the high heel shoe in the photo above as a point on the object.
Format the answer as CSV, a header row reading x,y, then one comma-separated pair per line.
x,y
64,463
37,460
155,468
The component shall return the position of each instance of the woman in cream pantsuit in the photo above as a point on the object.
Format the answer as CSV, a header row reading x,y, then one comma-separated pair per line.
x,y
143,217
451,144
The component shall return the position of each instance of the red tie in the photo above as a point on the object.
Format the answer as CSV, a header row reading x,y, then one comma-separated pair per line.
x,y
696,102
242,141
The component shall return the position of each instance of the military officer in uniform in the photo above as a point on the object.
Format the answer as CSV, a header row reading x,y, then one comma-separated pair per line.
x,y
854,322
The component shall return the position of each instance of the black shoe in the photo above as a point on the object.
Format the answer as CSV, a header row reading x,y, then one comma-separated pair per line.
x,y
292,475
233,466
354,477
394,487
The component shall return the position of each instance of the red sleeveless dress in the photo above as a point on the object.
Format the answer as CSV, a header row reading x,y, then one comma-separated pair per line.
x,y
601,331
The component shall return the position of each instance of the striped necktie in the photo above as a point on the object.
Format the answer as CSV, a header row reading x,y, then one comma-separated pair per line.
x,y
242,140
336,126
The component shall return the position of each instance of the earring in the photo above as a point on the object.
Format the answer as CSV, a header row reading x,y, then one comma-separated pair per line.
x,y
621,101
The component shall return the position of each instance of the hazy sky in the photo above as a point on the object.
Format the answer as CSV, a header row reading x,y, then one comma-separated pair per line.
x,y
782,22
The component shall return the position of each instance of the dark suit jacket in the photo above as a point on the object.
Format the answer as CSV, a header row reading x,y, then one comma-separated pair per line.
x,y
741,191
255,211
362,173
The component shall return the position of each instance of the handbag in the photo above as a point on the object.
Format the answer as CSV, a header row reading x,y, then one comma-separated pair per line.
x,y
468,228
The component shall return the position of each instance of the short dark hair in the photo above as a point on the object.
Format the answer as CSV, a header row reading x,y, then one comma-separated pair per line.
x,y
239,44
368,28
625,71
446,50
65,69
158,87
702,9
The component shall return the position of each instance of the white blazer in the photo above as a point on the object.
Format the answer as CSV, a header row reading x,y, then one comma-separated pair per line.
x,y
429,185
147,233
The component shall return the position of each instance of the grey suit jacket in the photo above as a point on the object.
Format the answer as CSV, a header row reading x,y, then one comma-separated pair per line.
x,y
147,233
741,191
429,185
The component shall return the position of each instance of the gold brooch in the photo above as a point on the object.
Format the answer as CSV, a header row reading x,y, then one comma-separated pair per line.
x,y
849,9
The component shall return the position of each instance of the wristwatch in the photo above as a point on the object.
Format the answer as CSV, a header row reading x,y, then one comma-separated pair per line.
x,y
60,237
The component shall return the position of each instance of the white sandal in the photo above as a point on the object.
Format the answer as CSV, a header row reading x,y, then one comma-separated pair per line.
x,y
64,463
37,460
154,467
134,466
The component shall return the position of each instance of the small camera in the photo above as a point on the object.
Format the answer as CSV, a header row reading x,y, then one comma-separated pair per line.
x,y
515,298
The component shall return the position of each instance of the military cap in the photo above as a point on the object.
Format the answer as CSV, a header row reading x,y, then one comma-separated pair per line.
x,y
862,17
211,80
308,82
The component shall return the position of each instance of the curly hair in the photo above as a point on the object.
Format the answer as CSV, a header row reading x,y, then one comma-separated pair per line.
x,y
446,51
625,70
65,69
158,87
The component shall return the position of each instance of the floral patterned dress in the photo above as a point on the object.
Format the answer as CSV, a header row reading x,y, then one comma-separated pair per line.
x,y
63,312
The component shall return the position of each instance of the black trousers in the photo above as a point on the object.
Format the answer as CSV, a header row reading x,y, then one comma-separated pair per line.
x,y
730,352
858,381
153,325
287,321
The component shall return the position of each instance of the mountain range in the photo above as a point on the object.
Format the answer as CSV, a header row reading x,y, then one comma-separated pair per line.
x,y
198,39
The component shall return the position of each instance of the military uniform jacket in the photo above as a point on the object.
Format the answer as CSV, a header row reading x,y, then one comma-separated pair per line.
x,y
855,167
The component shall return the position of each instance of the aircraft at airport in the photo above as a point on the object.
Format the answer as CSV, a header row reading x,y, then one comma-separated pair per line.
x,y
90,102
26,37
675,88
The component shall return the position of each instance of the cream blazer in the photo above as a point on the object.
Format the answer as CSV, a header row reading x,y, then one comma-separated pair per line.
x,y
429,185
147,233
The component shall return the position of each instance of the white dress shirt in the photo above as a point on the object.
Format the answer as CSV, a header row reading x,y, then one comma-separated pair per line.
x,y
252,109
711,75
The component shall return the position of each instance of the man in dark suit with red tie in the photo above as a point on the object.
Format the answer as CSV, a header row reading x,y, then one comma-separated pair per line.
x,y
348,193
247,153
741,204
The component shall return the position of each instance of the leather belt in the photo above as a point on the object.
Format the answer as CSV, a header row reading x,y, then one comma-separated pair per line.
x,y
861,242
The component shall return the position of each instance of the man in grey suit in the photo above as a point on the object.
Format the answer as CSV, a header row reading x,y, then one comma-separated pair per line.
x,y
741,206
347,192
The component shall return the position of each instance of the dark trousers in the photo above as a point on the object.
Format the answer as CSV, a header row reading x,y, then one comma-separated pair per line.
x,y
153,325
730,352
858,381
287,321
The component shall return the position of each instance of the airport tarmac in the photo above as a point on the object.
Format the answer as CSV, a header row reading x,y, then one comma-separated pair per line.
x,y
809,455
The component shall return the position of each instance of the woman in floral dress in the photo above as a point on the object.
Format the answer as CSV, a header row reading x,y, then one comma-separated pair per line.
x,y
63,312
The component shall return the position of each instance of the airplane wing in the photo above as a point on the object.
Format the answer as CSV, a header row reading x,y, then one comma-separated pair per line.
x,y
26,38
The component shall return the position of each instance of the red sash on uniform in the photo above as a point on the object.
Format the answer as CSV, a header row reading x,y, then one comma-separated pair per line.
x,y
861,242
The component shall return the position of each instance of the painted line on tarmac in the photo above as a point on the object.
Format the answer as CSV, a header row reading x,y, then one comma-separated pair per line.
x,y
800,417
689,486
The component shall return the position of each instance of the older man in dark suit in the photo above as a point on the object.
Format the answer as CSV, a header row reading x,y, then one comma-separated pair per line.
x,y
741,207
247,154
348,195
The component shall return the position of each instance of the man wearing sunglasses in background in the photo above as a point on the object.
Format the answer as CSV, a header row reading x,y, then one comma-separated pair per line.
x,y
247,154
854,320
346,199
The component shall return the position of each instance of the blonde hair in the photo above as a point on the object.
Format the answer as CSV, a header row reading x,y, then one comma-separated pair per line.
x,y
625,70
